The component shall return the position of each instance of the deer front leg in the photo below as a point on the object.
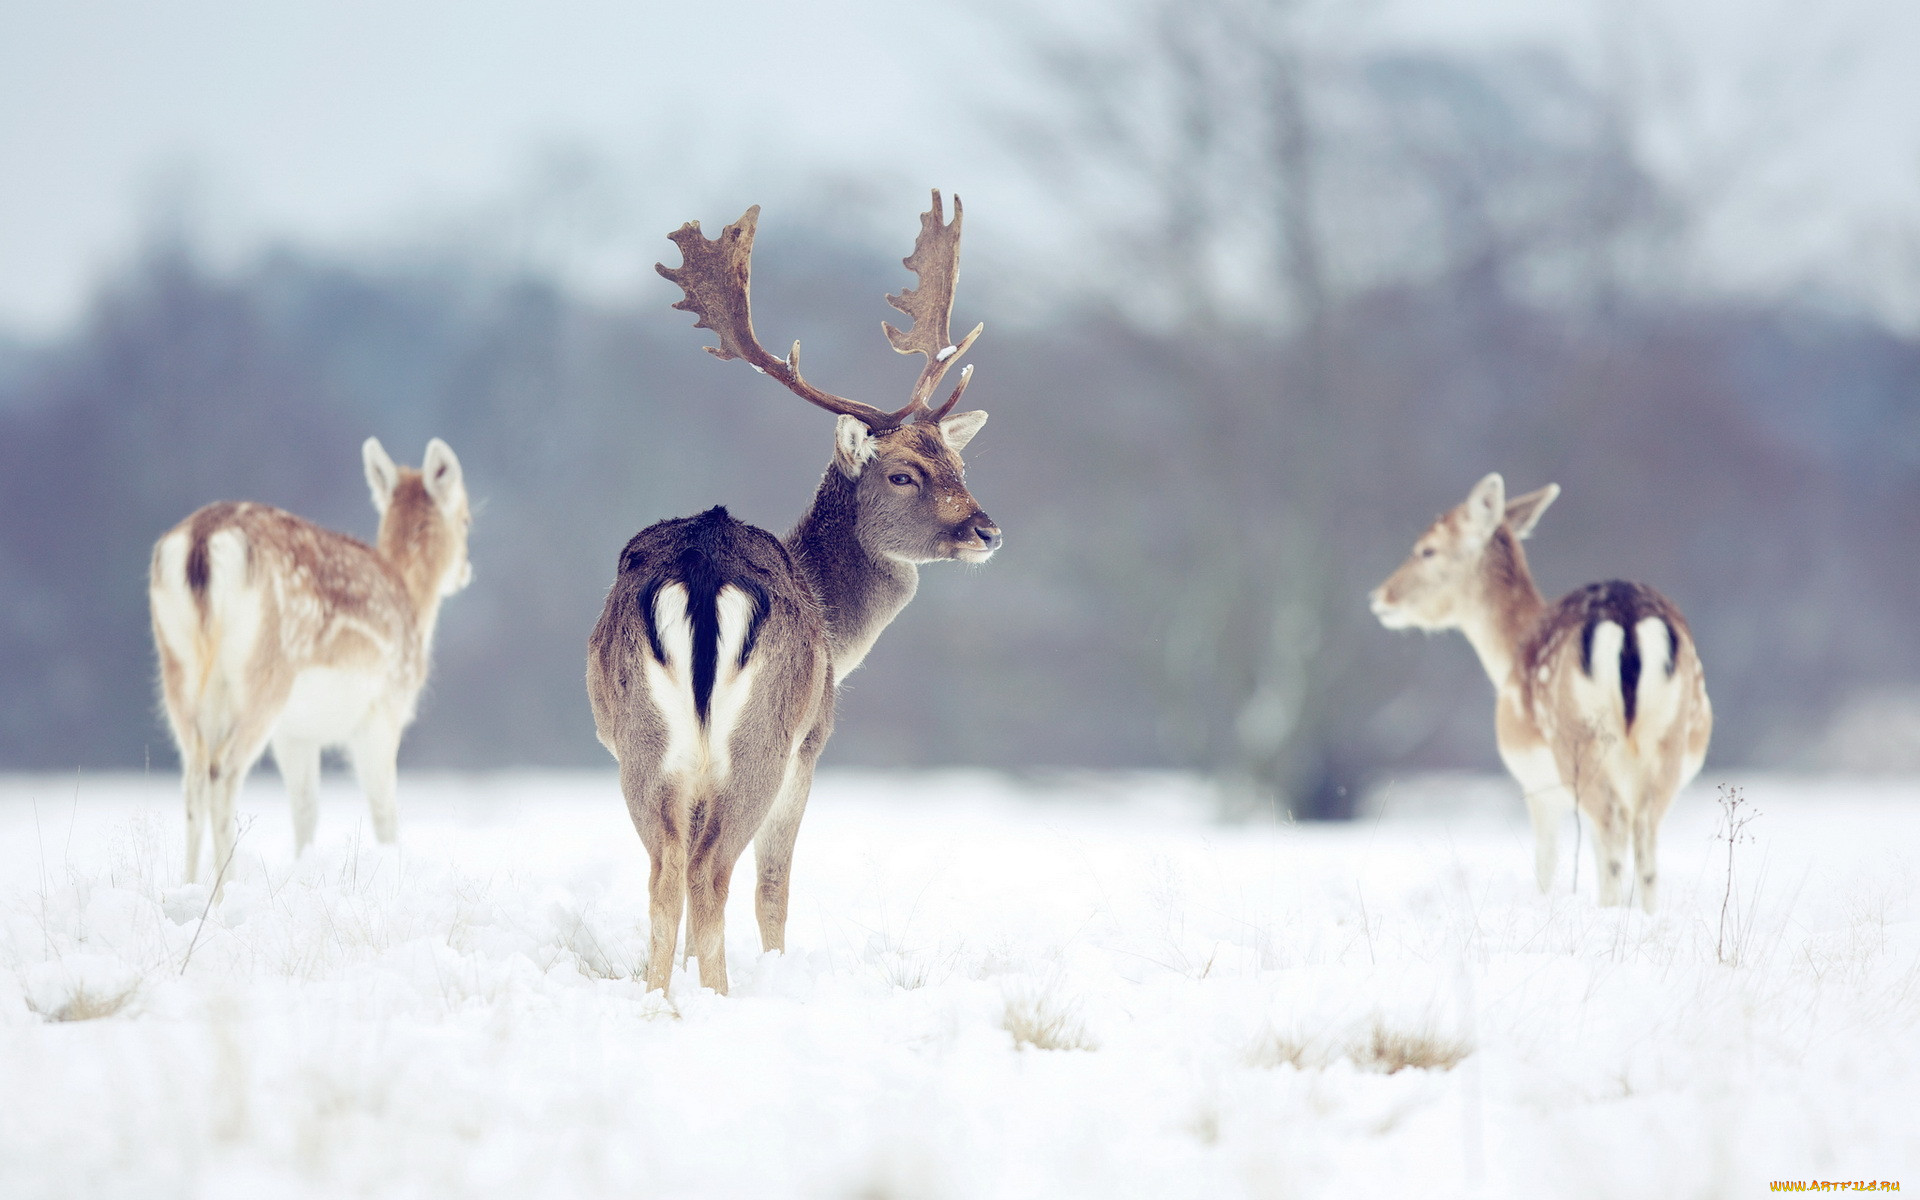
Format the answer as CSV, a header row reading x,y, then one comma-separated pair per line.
x,y
1533,765
1546,807
299,763
376,762
773,850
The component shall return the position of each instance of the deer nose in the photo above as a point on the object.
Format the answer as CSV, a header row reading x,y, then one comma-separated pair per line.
x,y
987,532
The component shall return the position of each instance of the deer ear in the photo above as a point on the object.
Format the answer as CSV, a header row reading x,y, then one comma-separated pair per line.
x,y
1523,512
440,470
1486,507
382,475
959,428
853,446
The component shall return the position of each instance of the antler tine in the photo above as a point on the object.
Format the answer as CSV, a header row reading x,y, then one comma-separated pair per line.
x,y
716,277
936,261
966,377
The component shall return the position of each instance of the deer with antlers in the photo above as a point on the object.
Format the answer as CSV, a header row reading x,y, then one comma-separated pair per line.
x,y
271,629
713,668
1602,703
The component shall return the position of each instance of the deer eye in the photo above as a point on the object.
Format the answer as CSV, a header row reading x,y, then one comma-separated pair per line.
x,y
900,478
1426,552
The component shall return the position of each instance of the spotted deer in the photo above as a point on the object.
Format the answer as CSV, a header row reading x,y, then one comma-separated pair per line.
x,y
1601,701
713,668
271,629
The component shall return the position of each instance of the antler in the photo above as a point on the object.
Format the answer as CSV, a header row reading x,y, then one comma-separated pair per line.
x,y
936,261
715,275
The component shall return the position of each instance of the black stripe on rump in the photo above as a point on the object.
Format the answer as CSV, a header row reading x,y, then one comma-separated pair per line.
x,y
197,570
200,530
1619,603
700,568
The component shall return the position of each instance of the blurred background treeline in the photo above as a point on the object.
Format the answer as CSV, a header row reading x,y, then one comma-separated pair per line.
x,y
1298,294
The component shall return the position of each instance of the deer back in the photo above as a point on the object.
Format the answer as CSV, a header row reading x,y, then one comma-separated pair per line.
x,y
319,598
256,595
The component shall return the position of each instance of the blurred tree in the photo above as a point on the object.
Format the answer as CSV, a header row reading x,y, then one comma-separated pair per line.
x,y
1320,293
1257,179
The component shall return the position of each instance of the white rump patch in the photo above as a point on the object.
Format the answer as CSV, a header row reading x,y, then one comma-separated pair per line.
x,y
213,655
1658,701
174,613
235,609
1599,695
732,682
1655,645
693,753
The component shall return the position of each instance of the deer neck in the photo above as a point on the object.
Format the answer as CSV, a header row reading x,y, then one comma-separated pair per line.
x,y
860,592
1506,610
420,582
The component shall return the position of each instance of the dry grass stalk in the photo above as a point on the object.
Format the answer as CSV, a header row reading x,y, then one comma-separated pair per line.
x,y
1389,1050
1735,814
84,1004
1276,1049
1044,1021
1381,1049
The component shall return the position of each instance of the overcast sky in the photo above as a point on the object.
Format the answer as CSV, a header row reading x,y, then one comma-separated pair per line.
x,y
353,122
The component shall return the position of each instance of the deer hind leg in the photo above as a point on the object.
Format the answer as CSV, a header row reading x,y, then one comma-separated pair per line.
x,y
666,900
709,878
660,815
1656,796
1646,865
376,755
299,763
1610,834
228,772
1601,803
196,769
1547,807
197,785
193,751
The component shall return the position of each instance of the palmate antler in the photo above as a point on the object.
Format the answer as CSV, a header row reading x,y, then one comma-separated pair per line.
x,y
936,261
716,277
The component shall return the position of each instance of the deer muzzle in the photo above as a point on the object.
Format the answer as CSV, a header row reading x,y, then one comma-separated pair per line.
x,y
1385,609
976,538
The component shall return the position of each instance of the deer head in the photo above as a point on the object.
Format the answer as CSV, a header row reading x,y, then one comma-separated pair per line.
x,y
424,517
905,463
1447,573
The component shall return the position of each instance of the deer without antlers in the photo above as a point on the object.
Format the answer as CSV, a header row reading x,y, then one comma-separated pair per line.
x,y
713,668
1602,702
272,629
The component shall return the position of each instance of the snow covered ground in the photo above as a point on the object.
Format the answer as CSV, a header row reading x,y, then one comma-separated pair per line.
x,y
1217,1007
